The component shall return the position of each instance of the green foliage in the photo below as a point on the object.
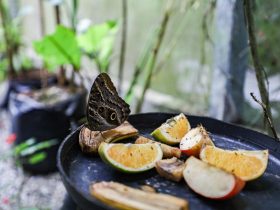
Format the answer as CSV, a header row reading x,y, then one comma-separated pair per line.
x,y
26,63
267,17
23,146
98,41
3,67
32,151
37,158
59,48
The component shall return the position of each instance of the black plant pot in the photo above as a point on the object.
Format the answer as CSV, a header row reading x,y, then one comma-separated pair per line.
x,y
42,125
45,123
23,85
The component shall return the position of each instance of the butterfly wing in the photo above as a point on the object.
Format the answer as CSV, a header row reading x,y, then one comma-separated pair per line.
x,y
105,109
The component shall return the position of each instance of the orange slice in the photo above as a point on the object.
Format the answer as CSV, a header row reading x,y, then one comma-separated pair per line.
x,y
172,131
130,158
247,165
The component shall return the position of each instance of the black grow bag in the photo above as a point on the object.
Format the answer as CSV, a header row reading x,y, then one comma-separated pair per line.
x,y
42,125
19,86
31,120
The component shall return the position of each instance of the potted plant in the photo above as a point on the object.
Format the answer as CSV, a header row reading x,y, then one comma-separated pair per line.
x,y
49,112
16,67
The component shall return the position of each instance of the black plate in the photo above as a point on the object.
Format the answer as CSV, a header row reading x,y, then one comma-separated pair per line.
x,y
78,170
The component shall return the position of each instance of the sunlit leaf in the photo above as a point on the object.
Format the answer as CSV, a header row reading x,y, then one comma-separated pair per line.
x,y
59,48
37,158
34,148
98,42
17,149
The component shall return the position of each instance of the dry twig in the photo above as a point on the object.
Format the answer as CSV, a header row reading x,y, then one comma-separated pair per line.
x,y
259,70
269,119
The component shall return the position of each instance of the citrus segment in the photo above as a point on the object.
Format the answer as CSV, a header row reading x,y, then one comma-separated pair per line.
x,y
173,130
247,165
131,158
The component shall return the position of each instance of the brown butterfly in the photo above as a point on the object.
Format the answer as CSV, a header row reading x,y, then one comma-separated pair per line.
x,y
105,109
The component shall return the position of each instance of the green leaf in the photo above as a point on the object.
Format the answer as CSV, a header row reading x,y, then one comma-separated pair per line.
x,y
37,158
23,146
98,42
34,148
59,48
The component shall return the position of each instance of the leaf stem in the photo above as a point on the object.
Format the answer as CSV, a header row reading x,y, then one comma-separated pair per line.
x,y
154,55
138,68
123,44
7,37
42,18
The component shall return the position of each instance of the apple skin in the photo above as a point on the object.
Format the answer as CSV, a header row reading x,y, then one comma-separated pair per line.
x,y
196,172
192,143
239,185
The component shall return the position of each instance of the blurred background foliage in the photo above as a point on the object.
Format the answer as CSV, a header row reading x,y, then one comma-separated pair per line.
x,y
186,49
267,17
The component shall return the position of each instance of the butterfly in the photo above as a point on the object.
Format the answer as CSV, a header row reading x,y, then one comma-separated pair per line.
x,y
105,108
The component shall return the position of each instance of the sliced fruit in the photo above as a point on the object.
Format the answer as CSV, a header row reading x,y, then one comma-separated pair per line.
x,y
247,165
130,158
171,168
210,181
123,197
90,140
172,131
194,140
168,151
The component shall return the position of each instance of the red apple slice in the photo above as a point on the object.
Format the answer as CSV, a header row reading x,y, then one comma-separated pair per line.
x,y
209,181
194,140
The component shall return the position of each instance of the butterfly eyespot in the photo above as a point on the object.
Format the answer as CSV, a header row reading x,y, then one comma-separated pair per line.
x,y
100,110
113,116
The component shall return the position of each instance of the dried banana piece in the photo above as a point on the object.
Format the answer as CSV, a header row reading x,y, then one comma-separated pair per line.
x,y
168,151
123,197
90,140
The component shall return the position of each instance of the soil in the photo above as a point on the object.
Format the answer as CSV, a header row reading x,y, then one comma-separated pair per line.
x,y
32,75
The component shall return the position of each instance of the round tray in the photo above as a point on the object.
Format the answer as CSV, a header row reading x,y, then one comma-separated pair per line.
x,y
79,170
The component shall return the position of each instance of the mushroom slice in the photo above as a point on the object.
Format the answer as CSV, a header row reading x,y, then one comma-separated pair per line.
x,y
90,140
171,168
123,197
